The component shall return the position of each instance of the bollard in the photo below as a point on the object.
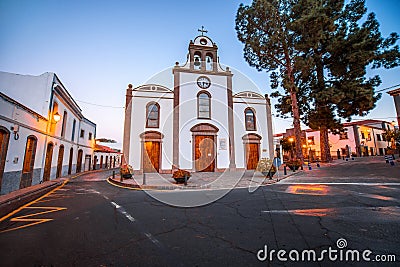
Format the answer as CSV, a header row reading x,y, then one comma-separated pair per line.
x,y
392,162
185,183
284,170
318,165
309,166
343,157
144,178
301,168
386,159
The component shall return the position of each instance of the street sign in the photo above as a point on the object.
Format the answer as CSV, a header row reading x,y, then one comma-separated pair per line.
x,y
277,162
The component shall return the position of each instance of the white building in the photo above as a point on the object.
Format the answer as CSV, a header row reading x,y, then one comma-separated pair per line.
x,y
106,157
43,133
359,138
200,124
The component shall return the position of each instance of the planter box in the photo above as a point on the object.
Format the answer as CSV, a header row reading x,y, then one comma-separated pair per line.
x,y
181,180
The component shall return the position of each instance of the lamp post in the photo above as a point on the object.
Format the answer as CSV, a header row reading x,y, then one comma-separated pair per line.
x,y
291,140
56,117
309,151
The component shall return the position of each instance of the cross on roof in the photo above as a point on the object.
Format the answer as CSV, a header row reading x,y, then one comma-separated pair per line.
x,y
202,31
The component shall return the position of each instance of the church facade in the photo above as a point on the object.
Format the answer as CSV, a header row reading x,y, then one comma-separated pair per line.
x,y
202,124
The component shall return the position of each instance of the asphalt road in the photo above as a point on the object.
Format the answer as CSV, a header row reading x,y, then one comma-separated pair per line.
x,y
89,222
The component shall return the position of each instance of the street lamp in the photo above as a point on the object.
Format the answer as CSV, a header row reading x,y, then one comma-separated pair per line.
x,y
291,140
56,117
309,152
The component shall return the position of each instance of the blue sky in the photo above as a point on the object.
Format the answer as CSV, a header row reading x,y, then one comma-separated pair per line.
x,y
98,47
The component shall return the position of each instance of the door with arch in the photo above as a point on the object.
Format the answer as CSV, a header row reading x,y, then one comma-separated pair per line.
x,y
71,155
204,136
151,157
252,150
60,161
4,139
205,153
94,162
151,151
29,162
79,161
48,160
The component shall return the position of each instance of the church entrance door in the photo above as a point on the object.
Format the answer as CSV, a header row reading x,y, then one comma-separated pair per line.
x,y
252,154
205,153
151,157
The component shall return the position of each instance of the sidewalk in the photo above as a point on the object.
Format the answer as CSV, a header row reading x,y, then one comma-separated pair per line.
x,y
225,180
200,180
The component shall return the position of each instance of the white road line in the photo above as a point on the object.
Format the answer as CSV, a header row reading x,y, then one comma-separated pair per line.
x,y
130,218
115,205
127,215
316,183
105,197
152,239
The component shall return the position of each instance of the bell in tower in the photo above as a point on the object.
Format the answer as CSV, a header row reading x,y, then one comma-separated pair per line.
x,y
203,53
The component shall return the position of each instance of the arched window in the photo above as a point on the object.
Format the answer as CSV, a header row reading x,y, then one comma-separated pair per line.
x,y
209,61
53,122
152,115
73,130
64,124
204,105
250,119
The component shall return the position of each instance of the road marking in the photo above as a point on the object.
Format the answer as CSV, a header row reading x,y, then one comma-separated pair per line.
x,y
123,211
115,205
32,202
105,197
130,218
33,221
369,184
152,239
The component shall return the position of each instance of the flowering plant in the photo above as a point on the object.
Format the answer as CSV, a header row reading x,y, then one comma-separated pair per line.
x,y
181,174
294,163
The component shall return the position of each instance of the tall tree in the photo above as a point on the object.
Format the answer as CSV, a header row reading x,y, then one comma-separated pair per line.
x,y
263,27
335,53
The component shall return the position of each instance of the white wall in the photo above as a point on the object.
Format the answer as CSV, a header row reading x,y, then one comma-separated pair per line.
x,y
188,116
138,126
31,91
259,106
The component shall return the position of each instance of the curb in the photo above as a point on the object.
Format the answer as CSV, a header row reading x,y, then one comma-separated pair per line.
x,y
155,187
118,183
18,198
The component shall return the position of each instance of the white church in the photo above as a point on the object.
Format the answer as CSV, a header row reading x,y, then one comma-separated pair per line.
x,y
203,124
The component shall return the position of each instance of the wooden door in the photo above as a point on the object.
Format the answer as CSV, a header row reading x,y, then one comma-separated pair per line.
x,y
29,162
60,161
47,165
151,157
252,155
87,162
4,138
204,153
71,154
79,161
